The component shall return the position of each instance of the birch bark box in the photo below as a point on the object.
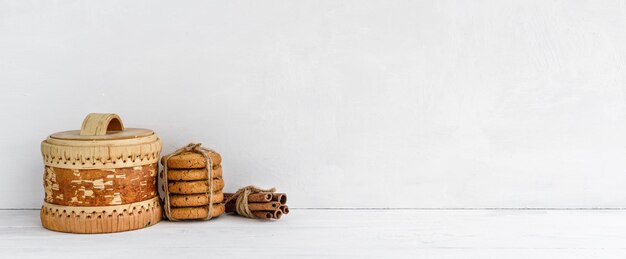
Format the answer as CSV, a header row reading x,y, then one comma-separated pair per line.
x,y
101,178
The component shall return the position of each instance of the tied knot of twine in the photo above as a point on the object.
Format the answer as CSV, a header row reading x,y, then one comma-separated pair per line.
x,y
195,148
241,199
191,147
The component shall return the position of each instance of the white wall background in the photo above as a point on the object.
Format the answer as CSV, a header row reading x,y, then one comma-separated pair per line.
x,y
338,103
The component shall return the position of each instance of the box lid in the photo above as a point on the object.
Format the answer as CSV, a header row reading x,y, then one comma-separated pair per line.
x,y
102,126
101,142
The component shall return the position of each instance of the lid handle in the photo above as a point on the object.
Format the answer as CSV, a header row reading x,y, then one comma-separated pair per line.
x,y
98,124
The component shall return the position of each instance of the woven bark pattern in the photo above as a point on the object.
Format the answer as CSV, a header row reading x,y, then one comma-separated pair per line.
x,y
105,156
100,187
109,219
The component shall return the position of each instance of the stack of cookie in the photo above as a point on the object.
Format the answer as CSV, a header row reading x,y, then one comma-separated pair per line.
x,y
188,185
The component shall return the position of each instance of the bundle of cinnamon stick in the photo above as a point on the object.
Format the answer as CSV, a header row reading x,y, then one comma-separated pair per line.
x,y
264,205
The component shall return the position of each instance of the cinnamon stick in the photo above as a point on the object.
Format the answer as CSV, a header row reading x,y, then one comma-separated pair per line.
x,y
255,206
284,209
254,197
277,214
231,207
280,197
263,214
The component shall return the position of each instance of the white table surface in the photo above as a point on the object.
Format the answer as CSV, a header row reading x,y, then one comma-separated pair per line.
x,y
339,233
